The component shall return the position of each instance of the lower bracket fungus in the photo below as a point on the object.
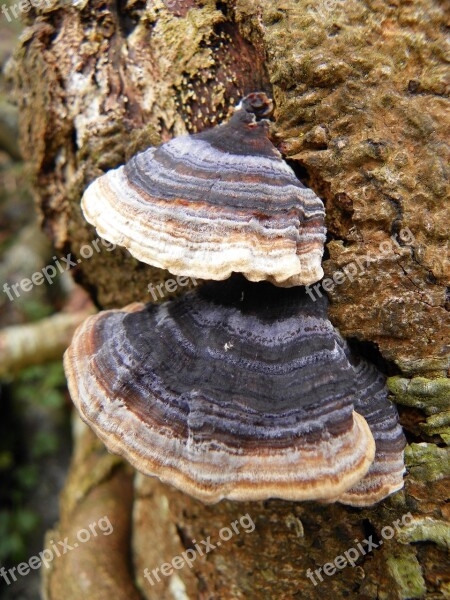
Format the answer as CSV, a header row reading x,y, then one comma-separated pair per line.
x,y
385,475
213,203
241,391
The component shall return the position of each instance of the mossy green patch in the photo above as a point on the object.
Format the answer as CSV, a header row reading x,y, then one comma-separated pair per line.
x,y
427,462
430,395
426,529
407,573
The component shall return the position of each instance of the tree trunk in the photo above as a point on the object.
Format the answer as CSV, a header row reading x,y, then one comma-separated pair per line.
x,y
360,95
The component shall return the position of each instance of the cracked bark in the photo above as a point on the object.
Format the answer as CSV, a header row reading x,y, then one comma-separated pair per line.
x,y
361,106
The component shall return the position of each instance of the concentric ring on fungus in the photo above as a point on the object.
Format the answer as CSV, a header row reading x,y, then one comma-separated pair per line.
x,y
241,391
214,203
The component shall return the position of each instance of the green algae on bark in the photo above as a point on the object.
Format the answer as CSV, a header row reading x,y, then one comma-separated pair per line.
x,y
432,396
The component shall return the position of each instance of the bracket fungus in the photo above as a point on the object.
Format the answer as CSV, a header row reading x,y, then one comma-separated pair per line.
x,y
385,475
241,391
237,390
214,203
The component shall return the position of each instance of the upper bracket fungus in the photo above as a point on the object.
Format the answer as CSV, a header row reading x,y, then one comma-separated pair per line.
x,y
214,203
241,391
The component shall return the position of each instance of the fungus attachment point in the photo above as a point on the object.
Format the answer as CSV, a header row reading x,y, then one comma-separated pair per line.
x,y
214,203
240,391
259,104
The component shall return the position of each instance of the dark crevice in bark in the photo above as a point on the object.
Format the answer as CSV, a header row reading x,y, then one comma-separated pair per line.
x,y
370,351
129,18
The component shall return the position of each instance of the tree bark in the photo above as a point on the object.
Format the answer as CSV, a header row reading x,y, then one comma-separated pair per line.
x,y
361,105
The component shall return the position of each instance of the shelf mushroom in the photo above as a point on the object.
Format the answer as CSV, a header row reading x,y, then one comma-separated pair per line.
x,y
241,391
385,475
213,203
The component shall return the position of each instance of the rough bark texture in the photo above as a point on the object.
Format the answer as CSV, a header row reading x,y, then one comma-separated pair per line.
x,y
360,111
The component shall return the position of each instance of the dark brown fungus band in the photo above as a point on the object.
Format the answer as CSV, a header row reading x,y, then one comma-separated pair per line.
x,y
237,390
213,203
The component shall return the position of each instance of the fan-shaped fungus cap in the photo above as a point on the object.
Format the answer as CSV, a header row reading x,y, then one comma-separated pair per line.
x,y
213,203
385,475
237,390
